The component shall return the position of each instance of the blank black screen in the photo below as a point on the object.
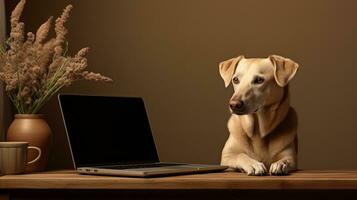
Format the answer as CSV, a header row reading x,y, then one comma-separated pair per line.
x,y
107,130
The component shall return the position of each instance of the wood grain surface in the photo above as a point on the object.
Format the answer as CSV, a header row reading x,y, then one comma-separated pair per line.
x,y
304,179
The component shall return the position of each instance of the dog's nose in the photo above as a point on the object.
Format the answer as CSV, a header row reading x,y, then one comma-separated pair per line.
x,y
236,104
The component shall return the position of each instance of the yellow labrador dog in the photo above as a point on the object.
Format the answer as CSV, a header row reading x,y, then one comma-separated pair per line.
x,y
263,126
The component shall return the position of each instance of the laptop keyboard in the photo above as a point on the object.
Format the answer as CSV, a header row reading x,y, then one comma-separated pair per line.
x,y
140,166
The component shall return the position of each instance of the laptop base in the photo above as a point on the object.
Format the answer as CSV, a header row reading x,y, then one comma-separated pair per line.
x,y
153,171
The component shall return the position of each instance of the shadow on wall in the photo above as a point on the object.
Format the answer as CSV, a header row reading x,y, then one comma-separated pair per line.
x,y
3,98
168,52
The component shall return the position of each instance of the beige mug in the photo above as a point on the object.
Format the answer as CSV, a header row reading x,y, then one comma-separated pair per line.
x,y
13,157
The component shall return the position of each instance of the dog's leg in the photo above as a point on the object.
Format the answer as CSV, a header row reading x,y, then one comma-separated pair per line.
x,y
285,164
245,163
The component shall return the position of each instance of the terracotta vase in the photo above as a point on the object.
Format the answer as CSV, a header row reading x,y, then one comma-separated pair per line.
x,y
34,129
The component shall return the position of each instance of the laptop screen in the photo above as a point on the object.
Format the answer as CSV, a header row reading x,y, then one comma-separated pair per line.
x,y
107,130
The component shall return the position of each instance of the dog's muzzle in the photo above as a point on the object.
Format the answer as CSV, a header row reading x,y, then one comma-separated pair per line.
x,y
237,106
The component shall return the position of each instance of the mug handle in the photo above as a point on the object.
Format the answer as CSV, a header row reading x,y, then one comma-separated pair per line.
x,y
39,154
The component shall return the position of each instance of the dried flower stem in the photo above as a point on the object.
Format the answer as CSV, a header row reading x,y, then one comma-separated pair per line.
x,y
35,68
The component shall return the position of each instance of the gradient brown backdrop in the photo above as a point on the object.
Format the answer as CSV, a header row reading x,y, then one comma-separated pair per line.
x,y
168,51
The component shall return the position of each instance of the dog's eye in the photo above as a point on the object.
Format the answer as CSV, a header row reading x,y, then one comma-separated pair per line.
x,y
235,80
258,80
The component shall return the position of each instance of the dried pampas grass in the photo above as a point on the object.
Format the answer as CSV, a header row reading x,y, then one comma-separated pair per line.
x,y
34,68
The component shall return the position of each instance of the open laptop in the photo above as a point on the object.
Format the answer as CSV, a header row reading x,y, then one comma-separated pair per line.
x,y
112,136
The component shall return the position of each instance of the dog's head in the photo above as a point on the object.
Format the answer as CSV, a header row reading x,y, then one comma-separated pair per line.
x,y
257,82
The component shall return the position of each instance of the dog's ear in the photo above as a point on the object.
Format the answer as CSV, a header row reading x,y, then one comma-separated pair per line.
x,y
226,69
284,69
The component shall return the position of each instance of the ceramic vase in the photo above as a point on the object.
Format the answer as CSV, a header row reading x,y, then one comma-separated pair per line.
x,y
32,128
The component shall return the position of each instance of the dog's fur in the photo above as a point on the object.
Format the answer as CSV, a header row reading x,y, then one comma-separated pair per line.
x,y
263,132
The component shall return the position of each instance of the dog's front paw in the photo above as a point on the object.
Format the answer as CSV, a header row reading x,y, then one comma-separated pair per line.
x,y
254,169
279,168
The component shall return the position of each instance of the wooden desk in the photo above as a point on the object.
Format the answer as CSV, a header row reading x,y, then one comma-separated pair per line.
x,y
70,183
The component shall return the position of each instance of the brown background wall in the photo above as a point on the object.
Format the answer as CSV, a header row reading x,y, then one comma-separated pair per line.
x,y
2,39
168,51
